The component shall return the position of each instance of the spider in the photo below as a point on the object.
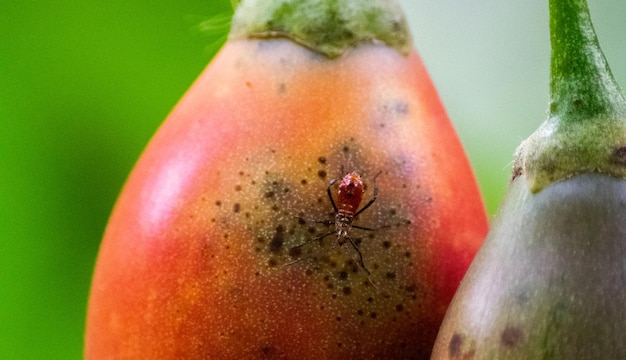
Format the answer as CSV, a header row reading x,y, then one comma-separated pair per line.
x,y
349,197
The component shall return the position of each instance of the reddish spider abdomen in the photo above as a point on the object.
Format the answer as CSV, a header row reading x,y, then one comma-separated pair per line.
x,y
350,193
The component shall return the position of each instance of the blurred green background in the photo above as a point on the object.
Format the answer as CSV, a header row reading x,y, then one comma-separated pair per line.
x,y
84,85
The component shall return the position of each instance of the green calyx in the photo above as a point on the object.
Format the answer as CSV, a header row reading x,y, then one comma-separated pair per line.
x,y
586,126
329,27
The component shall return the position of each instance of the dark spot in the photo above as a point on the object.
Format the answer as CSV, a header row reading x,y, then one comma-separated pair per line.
x,y
241,173
578,103
236,207
346,149
268,350
454,347
511,336
322,160
373,315
282,88
277,241
218,203
411,288
276,244
295,252
359,312
272,262
286,190
248,84
392,212
399,308
386,244
238,188
390,275
407,254
401,108
370,299
269,194
275,207
619,155
321,174
303,182
347,290
338,318
553,107
343,275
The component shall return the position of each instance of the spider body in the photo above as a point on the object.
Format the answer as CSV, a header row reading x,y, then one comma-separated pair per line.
x,y
349,196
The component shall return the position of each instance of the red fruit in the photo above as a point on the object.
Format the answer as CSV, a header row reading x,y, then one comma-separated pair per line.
x,y
214,248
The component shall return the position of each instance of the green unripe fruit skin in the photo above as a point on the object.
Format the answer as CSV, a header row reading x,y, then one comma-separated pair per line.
x,y
550,279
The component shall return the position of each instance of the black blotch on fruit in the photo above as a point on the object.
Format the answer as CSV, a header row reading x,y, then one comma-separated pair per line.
x,y
322,174
619,155
454,347
322,160
295,252
237,207
276,244
511,336
268,351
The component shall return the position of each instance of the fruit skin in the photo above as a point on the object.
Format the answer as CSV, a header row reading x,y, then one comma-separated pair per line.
x,y
548,282
195,262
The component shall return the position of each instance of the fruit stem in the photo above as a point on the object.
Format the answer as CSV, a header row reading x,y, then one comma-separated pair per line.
x,y
329,27
581,83
586,126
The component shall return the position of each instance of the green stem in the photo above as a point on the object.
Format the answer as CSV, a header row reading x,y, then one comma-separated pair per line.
x,y
586,126
329,27
581,83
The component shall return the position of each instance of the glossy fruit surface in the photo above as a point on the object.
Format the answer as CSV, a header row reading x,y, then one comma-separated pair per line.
x,y
211,251
548,282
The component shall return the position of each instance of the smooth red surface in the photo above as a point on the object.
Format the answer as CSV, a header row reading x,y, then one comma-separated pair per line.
x,y
195,261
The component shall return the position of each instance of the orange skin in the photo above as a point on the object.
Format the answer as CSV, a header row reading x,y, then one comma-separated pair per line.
x,y
199,258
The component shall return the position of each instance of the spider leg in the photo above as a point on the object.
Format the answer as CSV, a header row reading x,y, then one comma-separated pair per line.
x,y
361,263
369,229
330,195
323,222
316,238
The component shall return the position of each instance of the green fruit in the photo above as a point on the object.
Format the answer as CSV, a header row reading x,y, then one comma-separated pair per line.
x,y
550,279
